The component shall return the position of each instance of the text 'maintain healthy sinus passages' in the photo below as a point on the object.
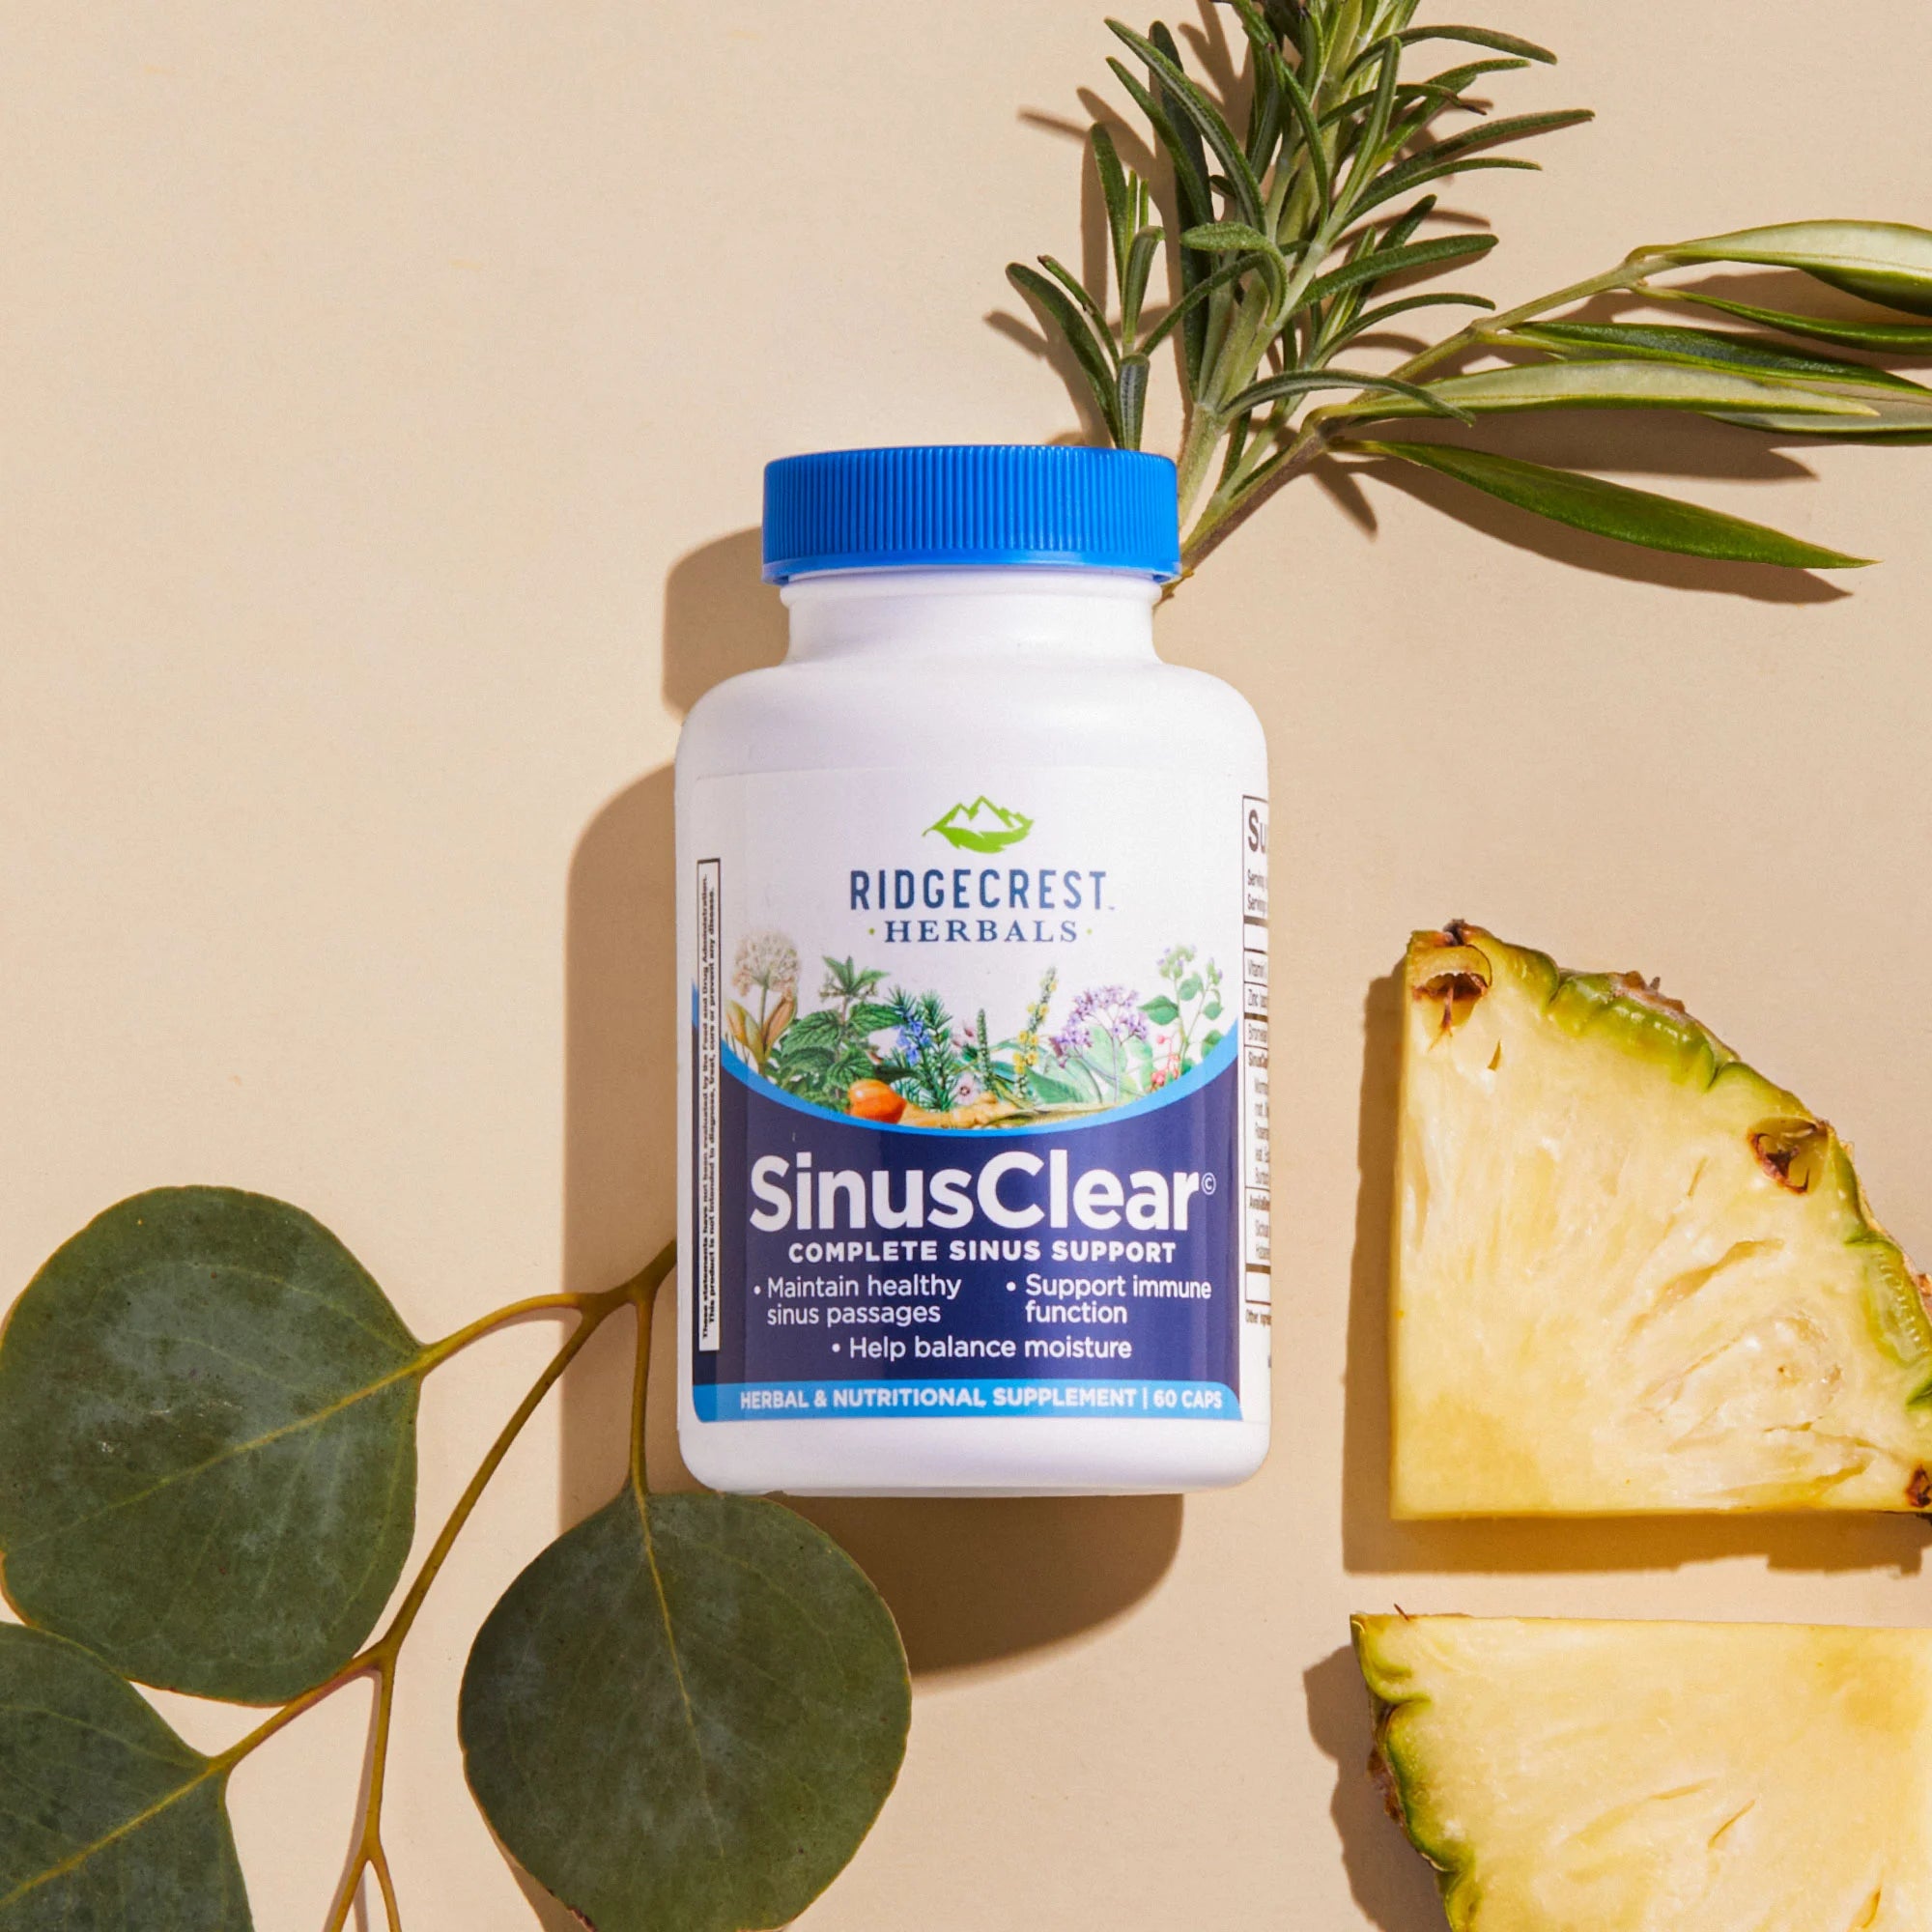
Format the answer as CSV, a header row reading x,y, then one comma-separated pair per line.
x,y
980,1095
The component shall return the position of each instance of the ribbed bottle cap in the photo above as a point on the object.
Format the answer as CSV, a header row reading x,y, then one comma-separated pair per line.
x,y
968,503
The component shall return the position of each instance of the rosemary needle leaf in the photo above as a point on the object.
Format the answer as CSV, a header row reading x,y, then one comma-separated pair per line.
x,y
1113,193
1708,348
1132,386
1453,80
1388,311
1206,118
1297,383
1194,298
1381,263
1313,149
1626,383
1142,254
1190,175
1220,237
1077,289
1424,168
1094,362
1909,338
1481,36
1493,133
1369,149
1614,509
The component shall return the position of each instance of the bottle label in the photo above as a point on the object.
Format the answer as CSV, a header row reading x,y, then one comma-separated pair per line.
x,y
980,1095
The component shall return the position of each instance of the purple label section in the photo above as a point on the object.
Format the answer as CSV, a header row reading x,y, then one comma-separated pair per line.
x,y
1091,1269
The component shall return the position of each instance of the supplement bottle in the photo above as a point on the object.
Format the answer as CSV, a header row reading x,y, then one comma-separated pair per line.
x,y
971,903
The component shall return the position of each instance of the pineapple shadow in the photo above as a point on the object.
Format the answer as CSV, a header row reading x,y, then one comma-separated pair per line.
x,y
1394,1888
972,1582
1375,1543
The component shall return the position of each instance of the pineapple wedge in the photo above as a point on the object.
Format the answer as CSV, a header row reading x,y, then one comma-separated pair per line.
x,y
1659,1776
1631,1274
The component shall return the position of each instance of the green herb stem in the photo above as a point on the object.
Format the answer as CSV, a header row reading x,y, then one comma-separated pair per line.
x,y
1229,510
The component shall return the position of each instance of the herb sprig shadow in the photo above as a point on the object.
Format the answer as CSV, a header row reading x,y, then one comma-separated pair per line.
x,y
685,1713
1303,222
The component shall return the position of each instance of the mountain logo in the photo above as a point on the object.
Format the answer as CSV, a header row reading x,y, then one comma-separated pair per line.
x,y
980,827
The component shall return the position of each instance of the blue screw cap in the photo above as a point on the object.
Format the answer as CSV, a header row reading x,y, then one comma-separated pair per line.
x,y
1056,506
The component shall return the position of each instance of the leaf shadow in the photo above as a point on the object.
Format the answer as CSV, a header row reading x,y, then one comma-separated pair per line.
x,y
1051,350
549,1912
1389,1880
1375,1544
1024,328
1222,60
969,1581
1096,239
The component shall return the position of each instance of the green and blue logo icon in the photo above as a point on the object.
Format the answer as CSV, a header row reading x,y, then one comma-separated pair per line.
x,y
980,827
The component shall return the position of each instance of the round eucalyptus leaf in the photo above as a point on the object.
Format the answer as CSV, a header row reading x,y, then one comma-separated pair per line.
x,y
685,1714
109,1820
207,1459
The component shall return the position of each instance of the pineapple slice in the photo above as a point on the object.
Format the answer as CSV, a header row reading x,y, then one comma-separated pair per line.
x,y
1631,1273
1659,1778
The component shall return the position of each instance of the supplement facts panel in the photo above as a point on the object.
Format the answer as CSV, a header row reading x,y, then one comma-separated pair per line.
x,y
1256,1262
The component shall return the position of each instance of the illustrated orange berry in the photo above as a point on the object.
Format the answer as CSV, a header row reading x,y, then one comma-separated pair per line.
x,y
874,1100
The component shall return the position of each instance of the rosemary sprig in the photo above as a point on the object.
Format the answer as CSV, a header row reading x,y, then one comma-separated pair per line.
x,y
1301,236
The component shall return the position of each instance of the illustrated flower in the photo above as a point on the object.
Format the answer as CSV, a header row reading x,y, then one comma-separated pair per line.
x,y
926,1049
1116,1008
1026,1049
916,1039
1112,1011
767,960
1074,1036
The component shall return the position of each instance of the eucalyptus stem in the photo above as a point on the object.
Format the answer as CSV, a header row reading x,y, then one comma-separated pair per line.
x,y
438,1352
380,1658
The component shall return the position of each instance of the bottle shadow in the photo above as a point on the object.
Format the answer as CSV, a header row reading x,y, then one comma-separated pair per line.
x,y
971,1581
1374,1542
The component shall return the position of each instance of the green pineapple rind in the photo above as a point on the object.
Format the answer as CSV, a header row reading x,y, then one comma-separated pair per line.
x,y
1404,1782
1657,1030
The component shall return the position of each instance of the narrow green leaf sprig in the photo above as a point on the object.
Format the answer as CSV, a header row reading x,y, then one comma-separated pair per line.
x,y
1301,230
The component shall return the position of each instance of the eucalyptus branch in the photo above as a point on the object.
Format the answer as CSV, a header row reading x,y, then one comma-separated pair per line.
x,y
1299,209
245,1456
380,1657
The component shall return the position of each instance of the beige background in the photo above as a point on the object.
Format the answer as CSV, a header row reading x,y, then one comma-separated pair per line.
x,y
381,403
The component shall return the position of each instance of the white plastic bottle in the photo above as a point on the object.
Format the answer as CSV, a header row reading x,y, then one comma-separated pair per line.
x,y
972,902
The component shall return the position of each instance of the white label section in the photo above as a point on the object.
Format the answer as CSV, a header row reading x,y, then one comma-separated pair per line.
x,y
1257,1242
1094,916
705,1070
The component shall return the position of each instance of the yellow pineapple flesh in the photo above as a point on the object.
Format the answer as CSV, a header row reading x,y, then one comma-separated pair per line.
x,y
1600,1776
1631,1274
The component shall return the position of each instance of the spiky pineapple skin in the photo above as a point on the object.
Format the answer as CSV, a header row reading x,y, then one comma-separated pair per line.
x,y
1447,973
